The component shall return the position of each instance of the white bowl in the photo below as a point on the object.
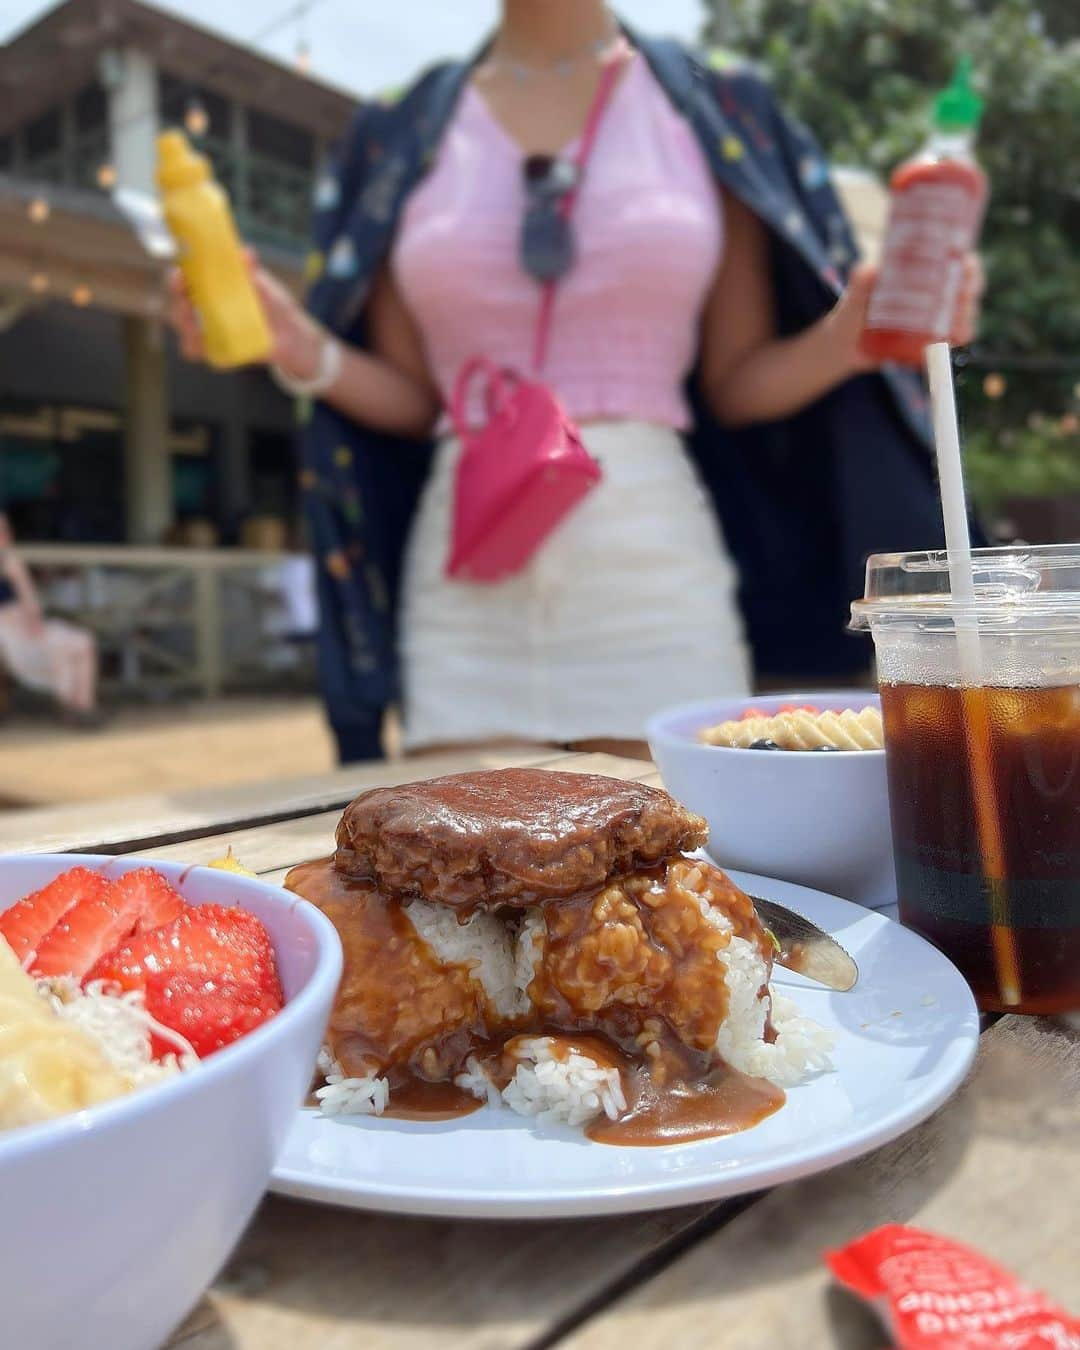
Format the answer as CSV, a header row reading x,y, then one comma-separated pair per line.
x,y
116,1219
821,820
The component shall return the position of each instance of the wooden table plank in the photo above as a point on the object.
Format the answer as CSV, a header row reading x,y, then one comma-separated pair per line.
x,y
313,1278
120,826
997,1168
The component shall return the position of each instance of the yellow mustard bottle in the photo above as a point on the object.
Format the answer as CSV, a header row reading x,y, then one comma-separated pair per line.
x,y
210,255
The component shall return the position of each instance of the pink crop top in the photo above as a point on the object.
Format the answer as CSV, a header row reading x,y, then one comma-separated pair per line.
x,y
648,229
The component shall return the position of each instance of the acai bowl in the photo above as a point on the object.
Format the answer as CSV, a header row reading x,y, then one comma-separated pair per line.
x,y
820,819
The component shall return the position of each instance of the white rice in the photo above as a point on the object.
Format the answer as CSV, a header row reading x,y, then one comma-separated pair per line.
x,y
476,1081
575,1089
484,944
341,1096
801,1046
568,1090
529,949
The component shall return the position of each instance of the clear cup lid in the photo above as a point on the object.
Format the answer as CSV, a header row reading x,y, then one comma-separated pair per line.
x,y
1041,580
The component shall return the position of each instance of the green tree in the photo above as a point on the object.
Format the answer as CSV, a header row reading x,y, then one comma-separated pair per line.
x,y
860,73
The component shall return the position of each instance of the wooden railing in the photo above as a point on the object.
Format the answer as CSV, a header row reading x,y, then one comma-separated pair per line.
x,y
164,618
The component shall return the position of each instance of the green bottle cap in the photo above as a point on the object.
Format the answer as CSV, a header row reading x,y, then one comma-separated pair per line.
x,y
959,107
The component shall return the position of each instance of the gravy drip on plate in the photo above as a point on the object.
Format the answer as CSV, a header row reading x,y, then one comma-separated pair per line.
x,y
697,1099
723,1101
625,974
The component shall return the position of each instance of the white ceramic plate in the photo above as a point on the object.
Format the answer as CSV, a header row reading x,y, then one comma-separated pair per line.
x,y
905,1038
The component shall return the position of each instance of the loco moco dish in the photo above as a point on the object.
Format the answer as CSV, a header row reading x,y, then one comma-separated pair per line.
x,y
542,941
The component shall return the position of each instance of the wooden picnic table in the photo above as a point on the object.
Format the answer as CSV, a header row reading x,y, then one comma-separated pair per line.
x,y
996,1167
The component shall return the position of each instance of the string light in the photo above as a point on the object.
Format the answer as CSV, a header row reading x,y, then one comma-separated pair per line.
x,y
303,50
106,176
994,385
39,283
82,295
196,118
38,210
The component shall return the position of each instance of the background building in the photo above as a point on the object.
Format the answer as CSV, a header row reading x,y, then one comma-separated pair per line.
x,y
105,435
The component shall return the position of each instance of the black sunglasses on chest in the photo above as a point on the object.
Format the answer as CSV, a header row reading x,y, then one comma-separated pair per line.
x,y
547,238
552,184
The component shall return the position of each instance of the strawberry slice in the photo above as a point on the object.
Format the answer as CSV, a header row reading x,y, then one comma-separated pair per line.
x,y
88,929
206,938
209,974
209,1013
136,901
157,900
27,922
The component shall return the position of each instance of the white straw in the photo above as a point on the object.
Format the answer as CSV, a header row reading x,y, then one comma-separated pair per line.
x,y
954,508
976,714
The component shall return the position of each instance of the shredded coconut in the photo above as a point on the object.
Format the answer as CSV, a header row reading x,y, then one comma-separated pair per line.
x,y
119,1023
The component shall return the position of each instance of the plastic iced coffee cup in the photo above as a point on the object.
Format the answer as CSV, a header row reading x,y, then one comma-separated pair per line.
x,y
981,705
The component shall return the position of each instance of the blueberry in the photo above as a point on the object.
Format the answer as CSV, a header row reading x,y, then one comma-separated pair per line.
x,y
763,745
826,747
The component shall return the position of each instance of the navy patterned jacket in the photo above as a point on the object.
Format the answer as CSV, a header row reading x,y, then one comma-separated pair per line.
x,y
801,501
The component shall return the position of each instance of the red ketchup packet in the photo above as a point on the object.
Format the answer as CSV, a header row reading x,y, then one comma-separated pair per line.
x,y
936,1294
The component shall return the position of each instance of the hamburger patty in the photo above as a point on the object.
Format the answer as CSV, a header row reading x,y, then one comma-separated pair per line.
x,y
509,836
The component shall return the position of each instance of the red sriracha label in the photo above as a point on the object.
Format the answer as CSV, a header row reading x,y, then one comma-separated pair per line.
x,y
935,1294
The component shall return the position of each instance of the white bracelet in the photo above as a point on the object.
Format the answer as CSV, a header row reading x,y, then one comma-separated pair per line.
x,y
329,368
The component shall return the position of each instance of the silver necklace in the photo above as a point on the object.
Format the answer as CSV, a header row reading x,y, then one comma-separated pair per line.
x,y
523,71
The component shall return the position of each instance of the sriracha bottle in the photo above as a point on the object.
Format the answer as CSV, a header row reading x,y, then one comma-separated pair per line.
x,y
936,206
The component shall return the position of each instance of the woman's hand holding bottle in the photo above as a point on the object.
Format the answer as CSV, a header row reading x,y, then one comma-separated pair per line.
x,y
845,323
297,341
752,374
385,389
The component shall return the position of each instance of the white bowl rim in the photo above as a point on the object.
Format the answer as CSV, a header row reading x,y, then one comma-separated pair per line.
x,y
321,985
657,732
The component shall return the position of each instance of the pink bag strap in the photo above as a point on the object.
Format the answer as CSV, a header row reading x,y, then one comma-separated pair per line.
x,y
608,78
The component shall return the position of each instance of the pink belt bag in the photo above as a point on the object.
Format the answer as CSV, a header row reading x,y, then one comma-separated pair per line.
x,y
525,468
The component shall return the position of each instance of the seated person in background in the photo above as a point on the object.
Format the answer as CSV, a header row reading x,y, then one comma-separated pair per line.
x,y
46,655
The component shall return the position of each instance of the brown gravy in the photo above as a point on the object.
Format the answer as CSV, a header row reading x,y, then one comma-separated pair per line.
x,y
673,1093
724,1102
691,1103
414,1098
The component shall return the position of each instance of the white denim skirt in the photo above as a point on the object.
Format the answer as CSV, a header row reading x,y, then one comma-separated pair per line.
x,y
628,606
